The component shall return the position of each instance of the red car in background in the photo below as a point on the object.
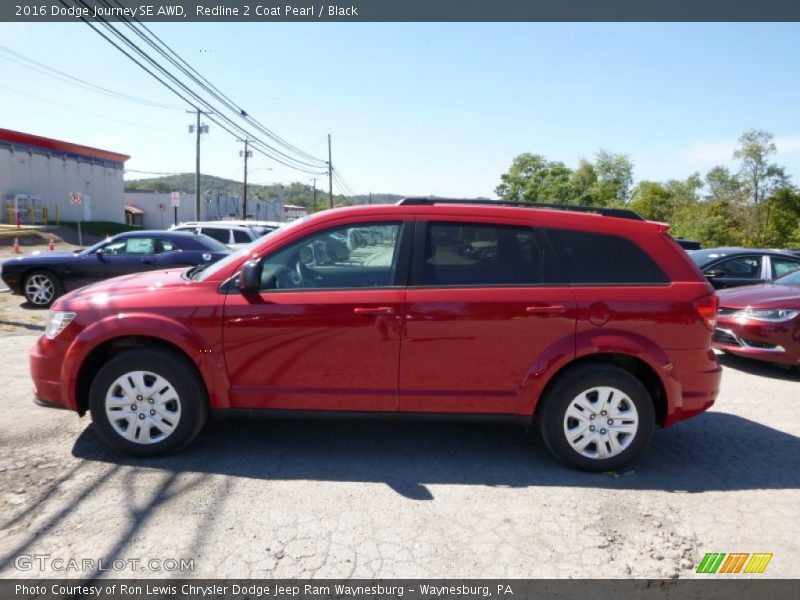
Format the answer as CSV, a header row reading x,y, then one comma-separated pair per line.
x,y
761,321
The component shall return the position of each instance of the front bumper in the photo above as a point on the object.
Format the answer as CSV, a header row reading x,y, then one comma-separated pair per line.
x,y
771,342
46,360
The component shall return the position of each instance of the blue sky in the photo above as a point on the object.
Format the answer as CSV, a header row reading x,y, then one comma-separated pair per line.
x,y
427,108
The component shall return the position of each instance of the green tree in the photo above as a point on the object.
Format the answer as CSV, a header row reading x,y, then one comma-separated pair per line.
x,y
653,201
584,182
759,175
532,178
782,218
761,179
614,175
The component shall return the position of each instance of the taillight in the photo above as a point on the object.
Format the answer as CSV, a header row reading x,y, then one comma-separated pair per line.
x,y
706,308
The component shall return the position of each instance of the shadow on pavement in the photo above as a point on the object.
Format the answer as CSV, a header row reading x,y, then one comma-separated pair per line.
x,y
759,368
713,452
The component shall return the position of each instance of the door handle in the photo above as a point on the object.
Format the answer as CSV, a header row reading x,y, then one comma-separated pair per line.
x,y
374,311
545,309
147,261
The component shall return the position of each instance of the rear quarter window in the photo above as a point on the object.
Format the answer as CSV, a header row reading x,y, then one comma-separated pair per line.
x,y
590,258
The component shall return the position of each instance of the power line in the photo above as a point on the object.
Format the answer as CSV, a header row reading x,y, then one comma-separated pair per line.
x,y
186,91
87,112
184,67
72,80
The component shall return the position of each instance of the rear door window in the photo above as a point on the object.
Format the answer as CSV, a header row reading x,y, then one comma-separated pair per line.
x,y
477,254
221,235
782,266
241,237
591,258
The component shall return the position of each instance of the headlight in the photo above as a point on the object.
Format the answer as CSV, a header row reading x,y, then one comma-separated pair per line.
x,y
767,314
58,322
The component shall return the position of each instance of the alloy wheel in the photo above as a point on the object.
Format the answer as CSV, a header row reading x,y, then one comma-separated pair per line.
x,y
39,289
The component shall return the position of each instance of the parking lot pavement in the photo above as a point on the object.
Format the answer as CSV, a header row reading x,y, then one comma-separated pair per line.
x,y
373,499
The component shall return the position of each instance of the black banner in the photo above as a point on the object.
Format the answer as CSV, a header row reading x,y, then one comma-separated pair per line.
x,y
400,10
414,589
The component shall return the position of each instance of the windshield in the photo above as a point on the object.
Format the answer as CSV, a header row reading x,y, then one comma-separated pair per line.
x,y
792,278
213,268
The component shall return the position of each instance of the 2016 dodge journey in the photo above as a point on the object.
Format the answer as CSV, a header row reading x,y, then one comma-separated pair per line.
x,y
592,324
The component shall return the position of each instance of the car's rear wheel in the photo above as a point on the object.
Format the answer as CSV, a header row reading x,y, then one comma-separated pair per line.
x,y
41,288
148,402
597,417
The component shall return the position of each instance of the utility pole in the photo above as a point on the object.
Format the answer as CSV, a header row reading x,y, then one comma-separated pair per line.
x,y
330,175
246,153
197,129
314,179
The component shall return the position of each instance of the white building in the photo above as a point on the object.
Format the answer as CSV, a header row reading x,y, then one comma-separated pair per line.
x,y
38,174
146,208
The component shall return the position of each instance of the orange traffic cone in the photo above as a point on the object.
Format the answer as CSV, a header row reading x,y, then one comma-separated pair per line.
x,y
16,249
52,243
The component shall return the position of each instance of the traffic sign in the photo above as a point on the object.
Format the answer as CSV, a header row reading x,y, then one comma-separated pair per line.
x,y
75,198
176,199
161,207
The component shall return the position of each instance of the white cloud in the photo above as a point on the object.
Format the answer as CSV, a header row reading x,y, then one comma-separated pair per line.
x,y
710,151
788,144
722,151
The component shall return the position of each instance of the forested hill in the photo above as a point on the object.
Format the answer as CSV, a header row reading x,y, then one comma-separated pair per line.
x,y
295,193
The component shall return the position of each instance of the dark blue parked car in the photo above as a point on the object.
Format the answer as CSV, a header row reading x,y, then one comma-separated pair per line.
x,y
44,276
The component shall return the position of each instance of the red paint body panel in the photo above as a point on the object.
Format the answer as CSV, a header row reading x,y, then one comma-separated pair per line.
x,y
474,350
310,350
469,350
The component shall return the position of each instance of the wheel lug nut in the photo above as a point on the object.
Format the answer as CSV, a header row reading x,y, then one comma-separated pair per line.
x,y
591,428
602,412
141,415
151,401
611,421
133,407
152,413
139,398
591,417
603,431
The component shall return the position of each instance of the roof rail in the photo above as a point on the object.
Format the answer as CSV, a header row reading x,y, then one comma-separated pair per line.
x,y
620,213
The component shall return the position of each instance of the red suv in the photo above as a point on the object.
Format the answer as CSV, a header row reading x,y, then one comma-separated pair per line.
x,y
593,322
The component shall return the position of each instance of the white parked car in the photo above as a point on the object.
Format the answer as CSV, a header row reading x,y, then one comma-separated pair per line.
x,y
233,234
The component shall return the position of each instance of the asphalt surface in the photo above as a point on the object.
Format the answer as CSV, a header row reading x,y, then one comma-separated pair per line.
x,y
288,498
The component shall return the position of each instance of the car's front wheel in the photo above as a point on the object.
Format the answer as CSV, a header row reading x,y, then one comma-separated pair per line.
x,y
41,288
148,402
597,417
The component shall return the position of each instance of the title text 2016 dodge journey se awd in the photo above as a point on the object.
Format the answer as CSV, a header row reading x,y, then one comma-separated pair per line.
x,y
594,323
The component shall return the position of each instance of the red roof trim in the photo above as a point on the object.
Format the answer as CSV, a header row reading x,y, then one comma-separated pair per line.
x,y
26,139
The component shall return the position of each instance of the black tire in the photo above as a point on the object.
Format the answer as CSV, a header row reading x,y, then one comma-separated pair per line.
x,y
41,274
560,395
178,372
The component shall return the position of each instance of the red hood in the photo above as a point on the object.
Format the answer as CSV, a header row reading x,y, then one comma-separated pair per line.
x,y
126,285
761,296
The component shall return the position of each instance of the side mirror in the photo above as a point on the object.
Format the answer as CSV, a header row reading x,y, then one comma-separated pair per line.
x,y
99,253
714,273
249,279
